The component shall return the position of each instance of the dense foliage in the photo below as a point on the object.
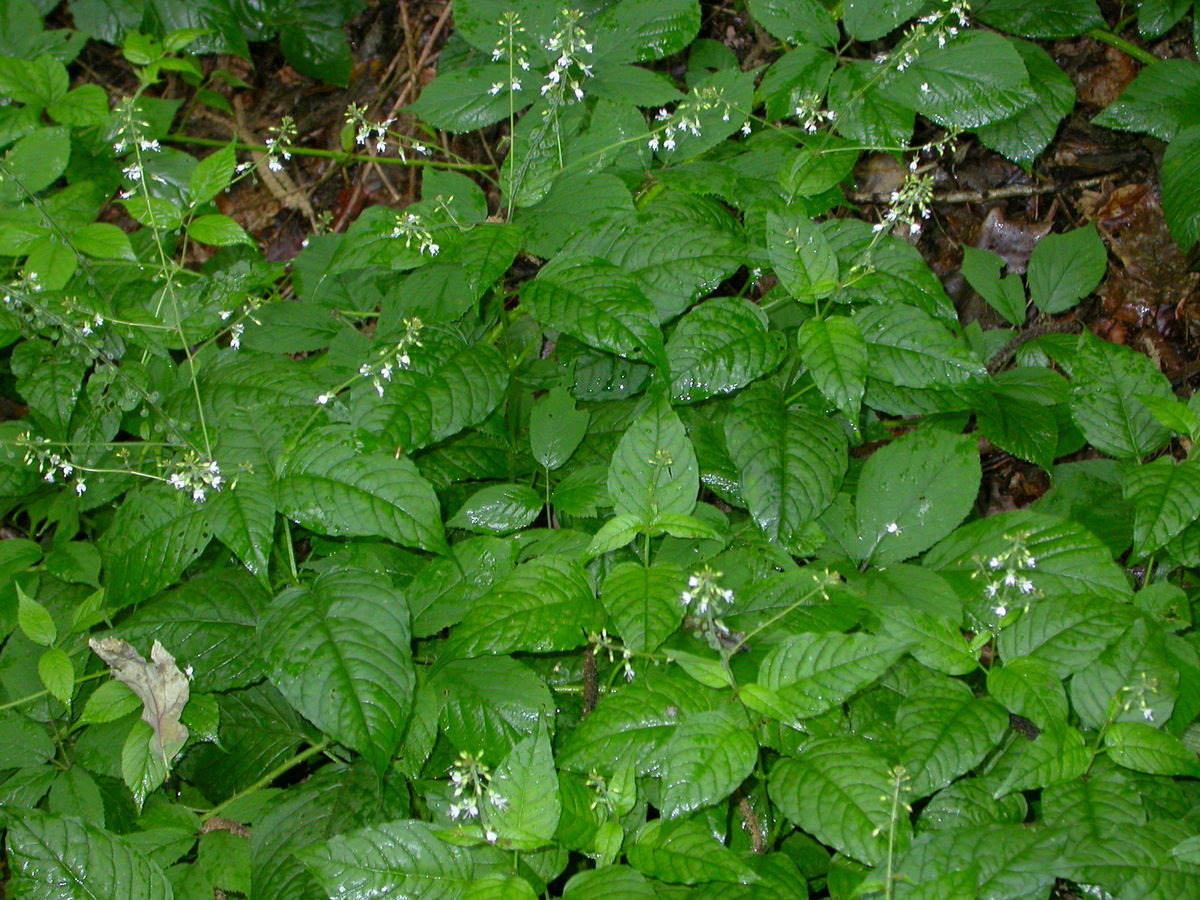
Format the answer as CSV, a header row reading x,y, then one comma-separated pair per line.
x,y
620,542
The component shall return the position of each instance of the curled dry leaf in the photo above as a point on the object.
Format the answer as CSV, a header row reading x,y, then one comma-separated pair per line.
x,y
159,684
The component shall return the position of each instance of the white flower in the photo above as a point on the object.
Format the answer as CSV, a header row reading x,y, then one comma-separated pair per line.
x,y
498,800
275,165
80,487
653,144
198,495
515,86
1001,611
495,88
1025,586
1148,714
892,528
1010,579
994,562
150,146
746,128
669,144
497,54
322,399
491,836
924,87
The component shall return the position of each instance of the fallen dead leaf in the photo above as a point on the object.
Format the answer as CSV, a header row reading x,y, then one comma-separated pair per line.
x,y
159,684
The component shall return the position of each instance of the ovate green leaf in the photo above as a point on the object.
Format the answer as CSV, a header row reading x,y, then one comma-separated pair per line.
x,y
340,651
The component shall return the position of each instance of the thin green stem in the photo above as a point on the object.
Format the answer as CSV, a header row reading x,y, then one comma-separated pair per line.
x,y
265,781
338,155
1107,37
13,704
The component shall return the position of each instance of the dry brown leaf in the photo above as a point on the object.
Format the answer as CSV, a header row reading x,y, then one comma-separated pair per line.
x,y
159,684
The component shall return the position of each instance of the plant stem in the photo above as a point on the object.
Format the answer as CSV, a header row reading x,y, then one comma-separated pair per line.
x,y
1107,37
40,694
338,155
266,780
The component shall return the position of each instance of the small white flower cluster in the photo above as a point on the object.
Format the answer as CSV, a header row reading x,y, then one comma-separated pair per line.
x,y
807,108
50,463
279,145
473,791
1006,575
705,591
937,27
410,227
1135,695
196,475
391,359
563,83
910,204
605,643
685,120
366,130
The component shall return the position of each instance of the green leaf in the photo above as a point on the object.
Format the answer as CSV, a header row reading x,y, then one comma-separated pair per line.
x,y
838,790
643,603
945,731
977,78
556,428
614,534
722,345
706,760
217,230
498,509
1133,680
404,857
684,851
610,883
803,70
673,255
34,619
1009,861
1106,379
910,348
1180,175
633,725
155,535
23,742
144,767
1166,500
528,815
209,624
812,673
339,650
1070,562
34,163
1029,688
489,704
461,100
1063,19
864,108
212,175
103,241
796,21
913,492
1173,413
58,857
923,611
57,674
836,355
545,605
982,268
643,30
869,20
332,488
1135,862
317,50
1058,754
1162,101
1144,748
600,305
1025,428
575,204
1065,268
1094,804
109,702
800,254
790,463
653,469
1023,136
